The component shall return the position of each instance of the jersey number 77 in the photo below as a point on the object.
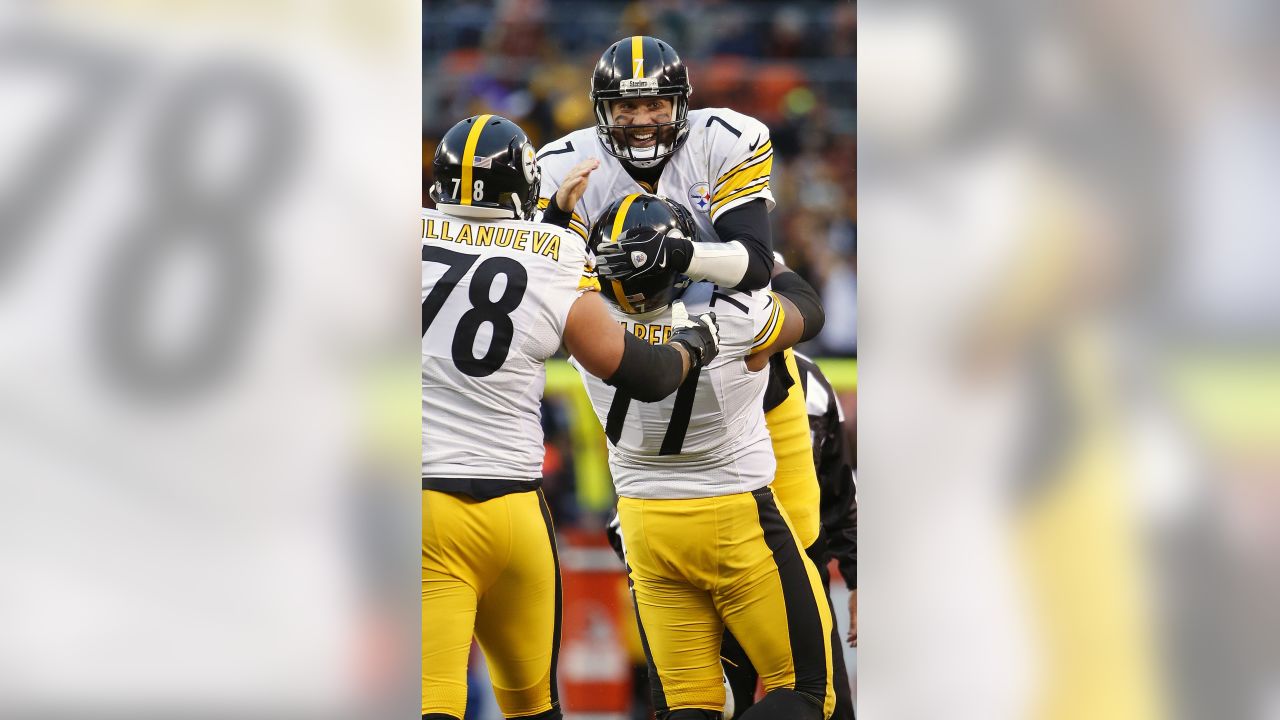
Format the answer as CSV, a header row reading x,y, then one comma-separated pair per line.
x,y
673,439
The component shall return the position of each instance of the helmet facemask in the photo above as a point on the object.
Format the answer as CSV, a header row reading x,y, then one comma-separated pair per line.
x,y
620,140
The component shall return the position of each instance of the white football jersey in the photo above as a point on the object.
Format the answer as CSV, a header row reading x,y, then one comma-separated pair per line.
x,y
708,438
495,298
724,162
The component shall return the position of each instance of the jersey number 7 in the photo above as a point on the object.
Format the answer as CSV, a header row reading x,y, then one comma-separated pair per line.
x,y
681,411
483,310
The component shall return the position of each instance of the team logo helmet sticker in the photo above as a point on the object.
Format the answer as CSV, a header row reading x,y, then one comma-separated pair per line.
x,y
530,162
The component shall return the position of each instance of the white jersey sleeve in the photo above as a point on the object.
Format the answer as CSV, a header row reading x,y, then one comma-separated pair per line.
x,y
740,156
495,299
755,319
556,159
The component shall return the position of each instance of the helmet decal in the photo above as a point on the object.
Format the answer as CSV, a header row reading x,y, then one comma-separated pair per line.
x,y
622,216
469,158
637,56
529,163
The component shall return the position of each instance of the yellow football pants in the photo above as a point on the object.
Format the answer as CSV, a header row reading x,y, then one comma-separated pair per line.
x,y
795,483
490,569
697,566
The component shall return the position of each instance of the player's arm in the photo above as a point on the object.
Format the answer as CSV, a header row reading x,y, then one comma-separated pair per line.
x,y
791,286
743,261
844,546
835,476
795,315
557,206
646,372
834,464
740,204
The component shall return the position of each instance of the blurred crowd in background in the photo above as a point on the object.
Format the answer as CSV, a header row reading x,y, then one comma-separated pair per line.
x,y
790,65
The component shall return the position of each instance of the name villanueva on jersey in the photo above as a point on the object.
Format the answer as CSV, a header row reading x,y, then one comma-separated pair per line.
x,y
464,233
527,240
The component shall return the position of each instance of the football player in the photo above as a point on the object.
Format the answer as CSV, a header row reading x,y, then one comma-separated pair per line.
x,y
714,162
707,547
834,465
500,294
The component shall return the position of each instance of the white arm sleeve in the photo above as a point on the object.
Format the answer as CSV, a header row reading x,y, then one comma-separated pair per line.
x,y
724,264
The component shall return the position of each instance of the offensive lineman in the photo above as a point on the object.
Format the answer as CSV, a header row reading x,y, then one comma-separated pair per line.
x,y
500,294
716,163
832,458
707,547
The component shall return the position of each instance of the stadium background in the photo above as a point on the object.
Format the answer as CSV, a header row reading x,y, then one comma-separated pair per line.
x,y
791,65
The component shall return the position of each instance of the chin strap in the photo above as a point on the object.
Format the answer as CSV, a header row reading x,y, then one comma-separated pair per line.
x,y
725,264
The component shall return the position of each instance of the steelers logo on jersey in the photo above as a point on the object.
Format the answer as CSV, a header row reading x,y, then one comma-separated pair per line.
x,y
700,196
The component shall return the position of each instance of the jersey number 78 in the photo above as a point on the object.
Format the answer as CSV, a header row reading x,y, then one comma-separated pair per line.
x,y
483,310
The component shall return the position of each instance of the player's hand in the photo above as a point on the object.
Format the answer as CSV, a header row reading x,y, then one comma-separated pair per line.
x,y
852,637
615,262
699,334
575,184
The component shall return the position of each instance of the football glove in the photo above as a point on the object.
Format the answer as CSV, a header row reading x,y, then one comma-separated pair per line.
x,y
615,261
700,335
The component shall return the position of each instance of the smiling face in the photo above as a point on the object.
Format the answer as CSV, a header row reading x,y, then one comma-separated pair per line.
x,y
639,112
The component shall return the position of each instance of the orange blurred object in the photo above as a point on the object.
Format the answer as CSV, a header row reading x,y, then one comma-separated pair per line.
x,y
595,670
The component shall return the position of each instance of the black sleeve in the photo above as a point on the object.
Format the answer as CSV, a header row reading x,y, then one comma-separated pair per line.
x,y
805,298
553,215
839,489
647,372
749,224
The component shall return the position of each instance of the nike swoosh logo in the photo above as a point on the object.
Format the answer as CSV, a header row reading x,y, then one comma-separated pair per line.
x,y
752,146
662,261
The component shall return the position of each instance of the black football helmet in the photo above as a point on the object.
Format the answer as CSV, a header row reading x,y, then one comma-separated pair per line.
x,y
485,168
639,229
641,66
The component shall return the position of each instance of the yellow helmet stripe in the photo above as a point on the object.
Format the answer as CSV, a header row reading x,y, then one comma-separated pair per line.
x,y
469,156
637,56
621,217
622,298
618,221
